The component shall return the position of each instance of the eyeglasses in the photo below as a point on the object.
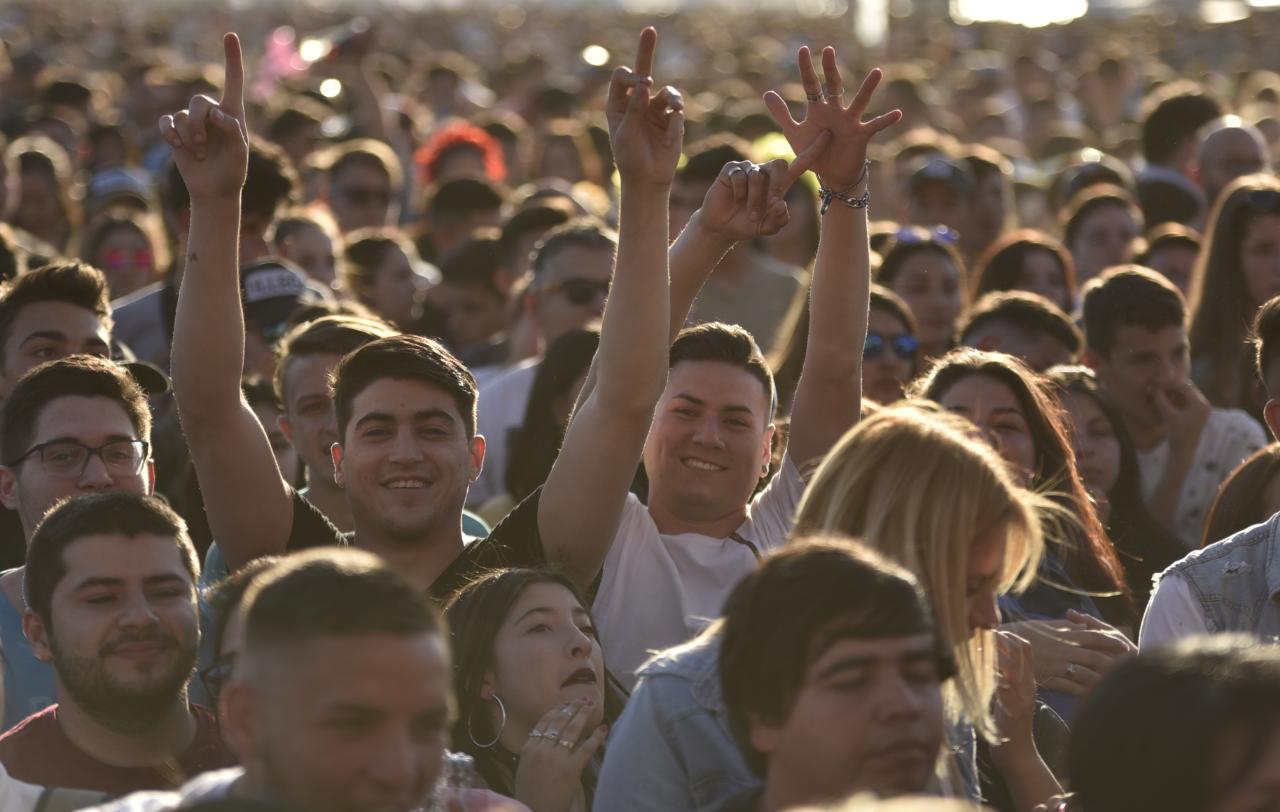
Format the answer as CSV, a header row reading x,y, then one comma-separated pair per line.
x,y
69,459
904,346
215,677
363,195
915,235
577,290
117,259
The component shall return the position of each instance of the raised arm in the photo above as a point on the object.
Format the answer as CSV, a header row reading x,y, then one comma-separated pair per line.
x,y
247,501
582,500
829,394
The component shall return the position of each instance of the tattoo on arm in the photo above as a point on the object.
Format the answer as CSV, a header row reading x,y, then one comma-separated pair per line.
x,y
193,257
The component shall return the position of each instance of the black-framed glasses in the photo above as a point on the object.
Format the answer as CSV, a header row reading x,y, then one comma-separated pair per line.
x,y
216,676
904,346
578,290
70,458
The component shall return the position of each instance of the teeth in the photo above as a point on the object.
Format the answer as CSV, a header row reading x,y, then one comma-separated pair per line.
x,y
401,484
699,465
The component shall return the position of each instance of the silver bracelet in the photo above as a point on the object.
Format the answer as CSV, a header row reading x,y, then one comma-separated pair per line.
x,y
860,202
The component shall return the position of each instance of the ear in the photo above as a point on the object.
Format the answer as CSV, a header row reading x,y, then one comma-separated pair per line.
x,y
151,477
286,428
1091,359
38,634
487,685
235,718
9,487
764,736
335,453
766,446
477,446
1271,414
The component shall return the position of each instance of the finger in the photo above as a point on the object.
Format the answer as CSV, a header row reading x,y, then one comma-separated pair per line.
x,y
780,111
776,172
227,125
198,112
182,123
775,219
807,157
736,176
619,86
883,122
169,133
587,750
560,720
675,128
808,76
865,91
233,77
577,724
757,194
831,72
1063,685
644,53
666,99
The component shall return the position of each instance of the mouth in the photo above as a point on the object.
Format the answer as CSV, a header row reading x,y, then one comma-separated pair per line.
x,y
405,484
902,750
139,648
583,676
700,465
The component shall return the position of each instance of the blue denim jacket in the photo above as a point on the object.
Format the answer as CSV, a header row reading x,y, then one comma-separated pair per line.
x,y
1237,580
671,750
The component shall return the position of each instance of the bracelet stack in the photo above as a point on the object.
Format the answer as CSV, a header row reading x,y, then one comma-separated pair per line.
x,y
846,197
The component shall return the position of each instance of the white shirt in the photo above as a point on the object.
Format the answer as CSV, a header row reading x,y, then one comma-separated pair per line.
x,y
657,590
1173,614
1228,438
500,410
15,795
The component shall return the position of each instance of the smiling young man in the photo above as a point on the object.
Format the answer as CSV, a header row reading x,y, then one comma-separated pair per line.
x,y
72,426
110,584
1136,341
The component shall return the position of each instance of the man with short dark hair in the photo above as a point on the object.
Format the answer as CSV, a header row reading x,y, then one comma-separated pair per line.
x,y
810,621
363,184
1024,325
110,585
341,696
455,209
1230,585
1171,117
475,281
72,426
940,192
1136,340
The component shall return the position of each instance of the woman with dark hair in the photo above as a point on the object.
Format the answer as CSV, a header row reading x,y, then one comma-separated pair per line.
x,y
1191,728
1028,260
1250,496
924,268
1108,465
536,444
129,249
380,271
890,356
533,694
1234,277
1099,227
1080,579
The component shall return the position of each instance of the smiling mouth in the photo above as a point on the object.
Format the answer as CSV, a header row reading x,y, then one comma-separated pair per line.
x,y
405,484
583,676
700,465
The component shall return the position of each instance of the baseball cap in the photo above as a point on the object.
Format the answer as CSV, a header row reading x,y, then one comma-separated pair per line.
x,y
271,290
939,169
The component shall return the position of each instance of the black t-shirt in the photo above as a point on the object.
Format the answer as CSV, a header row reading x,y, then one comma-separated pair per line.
x,y
514,542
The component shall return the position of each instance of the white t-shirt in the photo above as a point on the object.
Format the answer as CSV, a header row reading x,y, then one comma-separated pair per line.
x,y
657,591
1228,438
500,409
1173,614
16,796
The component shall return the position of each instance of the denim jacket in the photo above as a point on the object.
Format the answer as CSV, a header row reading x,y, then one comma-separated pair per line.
x,y
671,750
1237,580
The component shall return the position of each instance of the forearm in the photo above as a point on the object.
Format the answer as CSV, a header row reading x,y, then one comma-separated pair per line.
x,y
632,359
693,257
829,393
1028,778
208,333
1168,492
365,104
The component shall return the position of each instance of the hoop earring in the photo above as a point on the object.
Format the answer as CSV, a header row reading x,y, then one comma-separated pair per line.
x,y
501,726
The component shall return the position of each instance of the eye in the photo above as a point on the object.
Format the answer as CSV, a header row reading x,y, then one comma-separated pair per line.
x,y
538,628
100,598
590,631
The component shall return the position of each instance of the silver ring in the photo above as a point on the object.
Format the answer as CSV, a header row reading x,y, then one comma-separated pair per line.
x,y
1071,670
737,169
552,735
536,734
836,95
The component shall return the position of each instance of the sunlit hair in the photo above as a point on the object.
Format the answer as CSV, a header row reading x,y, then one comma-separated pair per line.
x,y
1220,305
917,487
1000,265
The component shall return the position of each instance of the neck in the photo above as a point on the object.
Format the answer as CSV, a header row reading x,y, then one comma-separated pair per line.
x,y
331,500
780,794
421,560
671,520
165,741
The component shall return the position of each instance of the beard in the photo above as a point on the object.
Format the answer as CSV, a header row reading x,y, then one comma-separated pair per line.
x,y
126,708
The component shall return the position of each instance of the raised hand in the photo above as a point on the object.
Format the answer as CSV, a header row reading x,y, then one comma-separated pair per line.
x,y
841,165
749,200
210,140
549,777
646,129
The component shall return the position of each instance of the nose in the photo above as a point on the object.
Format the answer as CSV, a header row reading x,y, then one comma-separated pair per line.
x,y
580,644
708,433
137,612
899,700
95,476
984,611
393,764
405,447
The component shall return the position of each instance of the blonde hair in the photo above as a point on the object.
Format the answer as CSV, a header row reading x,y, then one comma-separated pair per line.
x,y
920,489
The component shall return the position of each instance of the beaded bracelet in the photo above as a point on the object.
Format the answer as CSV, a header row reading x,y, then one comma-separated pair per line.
x,y
860,202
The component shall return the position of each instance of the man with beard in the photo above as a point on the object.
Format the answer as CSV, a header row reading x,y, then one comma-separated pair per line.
x,y
110,587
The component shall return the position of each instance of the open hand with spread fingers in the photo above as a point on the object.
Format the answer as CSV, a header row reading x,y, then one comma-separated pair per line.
x,y
645,128
841,165
210,140
749,200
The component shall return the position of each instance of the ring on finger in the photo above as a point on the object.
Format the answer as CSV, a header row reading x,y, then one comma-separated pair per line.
x,y
552,735
566,744
833,95
536,734
813,97
735,170
1071,670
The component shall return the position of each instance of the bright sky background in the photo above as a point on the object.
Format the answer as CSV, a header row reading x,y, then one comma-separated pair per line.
x,y
1025,12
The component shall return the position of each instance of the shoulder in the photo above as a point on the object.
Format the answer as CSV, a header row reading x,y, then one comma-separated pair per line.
x,y
789,275
687,661
1249,541
1237,422
36,726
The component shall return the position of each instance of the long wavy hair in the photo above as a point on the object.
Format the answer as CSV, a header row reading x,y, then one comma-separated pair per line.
x,y
914,484
1078,538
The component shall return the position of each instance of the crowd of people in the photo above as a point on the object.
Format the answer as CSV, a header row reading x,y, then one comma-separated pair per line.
x,y
745,428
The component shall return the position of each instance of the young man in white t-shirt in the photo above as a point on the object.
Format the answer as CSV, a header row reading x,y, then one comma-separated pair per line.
x,y
661,570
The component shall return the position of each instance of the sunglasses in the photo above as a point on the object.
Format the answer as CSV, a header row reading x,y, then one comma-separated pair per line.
x,y
904,346
117,259
1267,200
908,235
577,290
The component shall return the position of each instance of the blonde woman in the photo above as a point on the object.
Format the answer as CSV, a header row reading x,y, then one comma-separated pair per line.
x,y
916,485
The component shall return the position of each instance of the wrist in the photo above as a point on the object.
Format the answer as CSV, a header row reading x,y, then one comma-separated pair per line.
x,y
702,232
